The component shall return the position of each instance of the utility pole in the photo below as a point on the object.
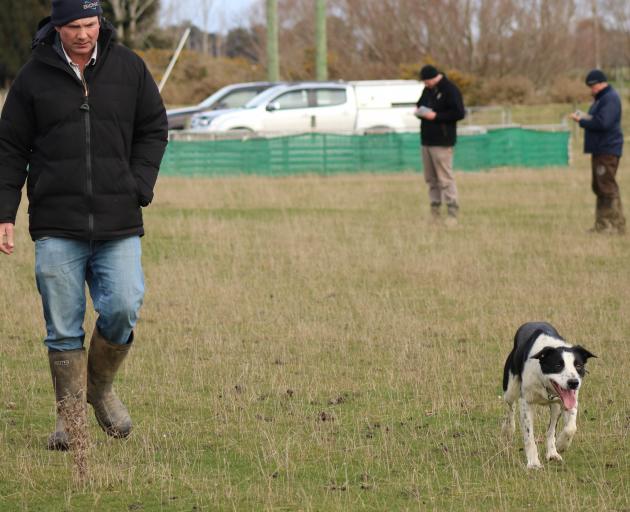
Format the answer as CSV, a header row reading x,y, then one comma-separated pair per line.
x,y
596,33
321,44
273,66
205,13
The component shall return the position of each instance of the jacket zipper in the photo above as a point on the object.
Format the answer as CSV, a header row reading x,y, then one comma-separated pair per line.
x,y
85,107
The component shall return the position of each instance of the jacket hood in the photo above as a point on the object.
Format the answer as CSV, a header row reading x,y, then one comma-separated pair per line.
x,y
46,31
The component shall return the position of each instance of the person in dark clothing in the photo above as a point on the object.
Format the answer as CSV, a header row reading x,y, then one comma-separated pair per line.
x,y
85,128
440,107
603,140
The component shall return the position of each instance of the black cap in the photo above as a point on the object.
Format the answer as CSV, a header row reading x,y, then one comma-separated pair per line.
x,y
428,72
65,11
595,76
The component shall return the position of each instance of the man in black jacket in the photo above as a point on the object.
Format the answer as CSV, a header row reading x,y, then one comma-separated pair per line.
x,y
85,127
440,107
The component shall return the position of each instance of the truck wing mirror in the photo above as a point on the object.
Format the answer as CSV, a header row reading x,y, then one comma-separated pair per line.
x,y
272,107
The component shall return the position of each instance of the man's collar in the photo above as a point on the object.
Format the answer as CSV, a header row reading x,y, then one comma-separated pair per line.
x,y
602,92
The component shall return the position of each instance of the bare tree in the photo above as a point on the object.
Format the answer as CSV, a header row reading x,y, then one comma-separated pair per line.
x,y
617,17
128,14
534,39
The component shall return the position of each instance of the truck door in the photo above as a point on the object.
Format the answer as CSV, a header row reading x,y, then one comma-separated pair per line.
x,y
332,111
288,112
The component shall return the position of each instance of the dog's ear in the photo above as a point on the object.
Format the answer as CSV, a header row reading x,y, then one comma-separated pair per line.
x,y
585,354
543,353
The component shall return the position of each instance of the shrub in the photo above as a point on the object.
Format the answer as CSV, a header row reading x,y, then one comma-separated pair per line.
x,y
568,90
196,76
465,81
507,90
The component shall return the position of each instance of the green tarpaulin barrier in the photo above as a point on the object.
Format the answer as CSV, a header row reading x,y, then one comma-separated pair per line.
x,y
330,153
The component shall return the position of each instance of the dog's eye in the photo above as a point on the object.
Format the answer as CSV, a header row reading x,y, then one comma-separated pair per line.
x,y
558,366
579,366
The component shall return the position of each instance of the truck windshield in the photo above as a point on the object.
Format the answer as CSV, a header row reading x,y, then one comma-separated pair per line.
x,y
264,96
231,97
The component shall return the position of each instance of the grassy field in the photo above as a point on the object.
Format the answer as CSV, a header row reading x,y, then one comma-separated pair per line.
x,y
314,344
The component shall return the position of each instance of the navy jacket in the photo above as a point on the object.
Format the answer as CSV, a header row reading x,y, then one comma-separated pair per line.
x,y
89,161
602,133
446,100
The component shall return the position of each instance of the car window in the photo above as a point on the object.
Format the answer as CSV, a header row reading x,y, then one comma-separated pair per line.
x,y
292,99
264,96
330,97
236,99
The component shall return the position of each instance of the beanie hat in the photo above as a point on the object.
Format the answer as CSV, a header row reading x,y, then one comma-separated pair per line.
x,y
428,72
65,11
595,76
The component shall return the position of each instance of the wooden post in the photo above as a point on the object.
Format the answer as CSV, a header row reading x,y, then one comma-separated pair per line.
x,y
273,65
321,45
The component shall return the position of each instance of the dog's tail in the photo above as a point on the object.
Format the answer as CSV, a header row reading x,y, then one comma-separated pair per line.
x,y
506,371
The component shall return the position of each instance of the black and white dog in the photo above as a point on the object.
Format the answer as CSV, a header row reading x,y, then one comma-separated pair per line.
x,y
543,369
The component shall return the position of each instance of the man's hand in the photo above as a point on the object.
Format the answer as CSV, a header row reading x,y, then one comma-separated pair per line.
x,y
429,116
6,238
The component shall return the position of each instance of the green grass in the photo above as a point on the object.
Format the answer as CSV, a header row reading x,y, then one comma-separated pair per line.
x,y
313,344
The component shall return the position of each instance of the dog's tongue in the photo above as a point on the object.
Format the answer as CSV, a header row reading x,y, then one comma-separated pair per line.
x,y
568,397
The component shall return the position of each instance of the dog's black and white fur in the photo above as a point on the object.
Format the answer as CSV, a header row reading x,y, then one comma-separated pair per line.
x,y
543,369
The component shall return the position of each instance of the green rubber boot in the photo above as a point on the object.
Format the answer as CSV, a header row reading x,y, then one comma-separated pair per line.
x,y
104,359
68,370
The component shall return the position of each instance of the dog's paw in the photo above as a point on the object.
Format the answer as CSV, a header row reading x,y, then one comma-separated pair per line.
x,y
534,465
563,443
554,456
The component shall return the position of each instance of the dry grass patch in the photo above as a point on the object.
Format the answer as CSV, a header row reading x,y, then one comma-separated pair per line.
x,y
312,343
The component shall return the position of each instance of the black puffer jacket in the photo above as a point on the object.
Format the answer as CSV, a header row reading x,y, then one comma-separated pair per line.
x,y
90,162
446,100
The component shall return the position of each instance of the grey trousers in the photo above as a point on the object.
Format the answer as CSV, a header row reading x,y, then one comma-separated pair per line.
x,y
438,174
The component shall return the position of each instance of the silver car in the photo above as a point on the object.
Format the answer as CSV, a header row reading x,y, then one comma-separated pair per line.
x,y
290,108
228,97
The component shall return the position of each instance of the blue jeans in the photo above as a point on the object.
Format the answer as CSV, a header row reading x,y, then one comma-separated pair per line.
x,y
112,270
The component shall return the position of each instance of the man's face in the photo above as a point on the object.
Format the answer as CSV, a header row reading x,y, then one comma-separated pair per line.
x,y
596,88
79,36
432,82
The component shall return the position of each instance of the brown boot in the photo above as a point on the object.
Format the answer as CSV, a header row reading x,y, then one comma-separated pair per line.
x,y
603,216
68,370
617,218
104,359
436,217
452,211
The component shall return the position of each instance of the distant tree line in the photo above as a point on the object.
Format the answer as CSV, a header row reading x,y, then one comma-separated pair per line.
x,y
497,50
537,42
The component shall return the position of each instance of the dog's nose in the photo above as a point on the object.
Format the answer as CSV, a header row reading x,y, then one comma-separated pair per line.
x,y
573,383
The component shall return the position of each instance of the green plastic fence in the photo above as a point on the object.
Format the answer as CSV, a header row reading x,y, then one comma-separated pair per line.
x,y
330,153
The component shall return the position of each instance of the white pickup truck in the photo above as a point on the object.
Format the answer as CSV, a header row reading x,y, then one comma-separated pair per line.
x,y
340,107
